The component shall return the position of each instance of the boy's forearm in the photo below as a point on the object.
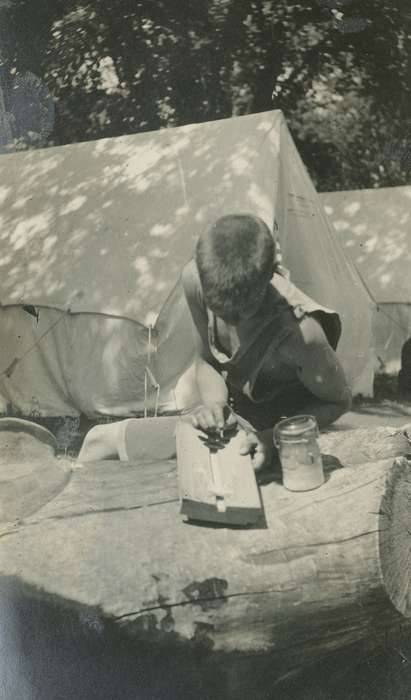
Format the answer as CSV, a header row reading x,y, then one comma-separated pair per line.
x,y
211,385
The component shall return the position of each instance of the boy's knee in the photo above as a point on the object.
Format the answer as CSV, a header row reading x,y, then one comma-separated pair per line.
x,y
101,442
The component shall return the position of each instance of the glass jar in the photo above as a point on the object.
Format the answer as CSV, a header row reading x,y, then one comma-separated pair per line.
x,y
296,439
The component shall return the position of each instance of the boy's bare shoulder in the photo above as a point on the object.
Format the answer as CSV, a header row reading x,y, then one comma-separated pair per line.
x,y
311,331
307,337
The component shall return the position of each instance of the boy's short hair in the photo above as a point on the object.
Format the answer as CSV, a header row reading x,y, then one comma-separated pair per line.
x,y
235,258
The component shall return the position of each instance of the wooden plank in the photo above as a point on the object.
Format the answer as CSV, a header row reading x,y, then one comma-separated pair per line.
x,y
216,483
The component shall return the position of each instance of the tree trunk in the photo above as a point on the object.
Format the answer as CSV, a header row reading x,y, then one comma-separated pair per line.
x,y
330,570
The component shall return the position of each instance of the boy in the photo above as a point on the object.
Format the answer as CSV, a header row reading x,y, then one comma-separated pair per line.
x,y
262,345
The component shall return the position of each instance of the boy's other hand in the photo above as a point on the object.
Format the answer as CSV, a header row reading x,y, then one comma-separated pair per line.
x,y
259,446
216,416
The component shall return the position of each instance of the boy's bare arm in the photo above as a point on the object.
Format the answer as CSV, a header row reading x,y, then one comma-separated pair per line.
x,y
320,371
213,393
211,385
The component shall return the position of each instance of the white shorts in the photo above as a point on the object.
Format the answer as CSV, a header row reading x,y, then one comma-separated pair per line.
x,y
147,438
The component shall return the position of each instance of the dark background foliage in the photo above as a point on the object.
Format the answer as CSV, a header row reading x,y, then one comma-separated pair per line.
x,y
337,68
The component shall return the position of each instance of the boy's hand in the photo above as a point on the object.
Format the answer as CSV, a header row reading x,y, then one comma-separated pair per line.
x,y
216,416
259,446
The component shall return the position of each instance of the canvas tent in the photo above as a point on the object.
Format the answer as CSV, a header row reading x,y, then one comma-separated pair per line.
x,y
94,236
374,228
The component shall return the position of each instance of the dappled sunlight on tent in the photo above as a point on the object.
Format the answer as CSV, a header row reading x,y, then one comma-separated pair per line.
x,y
360,229
352,208
5,192
162,230
259,197
74,205
341,225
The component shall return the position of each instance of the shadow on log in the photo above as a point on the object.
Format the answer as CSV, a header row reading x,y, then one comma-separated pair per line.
x,y
55,648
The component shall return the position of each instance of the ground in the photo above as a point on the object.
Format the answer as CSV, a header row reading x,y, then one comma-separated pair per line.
x,y
383,409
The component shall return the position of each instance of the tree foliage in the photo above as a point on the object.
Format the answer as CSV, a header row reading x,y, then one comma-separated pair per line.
x,y
337,68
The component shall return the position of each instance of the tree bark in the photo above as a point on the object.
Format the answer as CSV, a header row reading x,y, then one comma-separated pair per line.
x,y
330,570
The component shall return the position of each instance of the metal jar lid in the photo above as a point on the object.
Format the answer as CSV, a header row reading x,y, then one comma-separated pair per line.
x,y
296,428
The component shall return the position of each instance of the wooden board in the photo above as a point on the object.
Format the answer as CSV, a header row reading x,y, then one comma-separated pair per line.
x,y
216,484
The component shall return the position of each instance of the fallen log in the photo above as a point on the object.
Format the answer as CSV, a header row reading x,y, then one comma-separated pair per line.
x,y
329,571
